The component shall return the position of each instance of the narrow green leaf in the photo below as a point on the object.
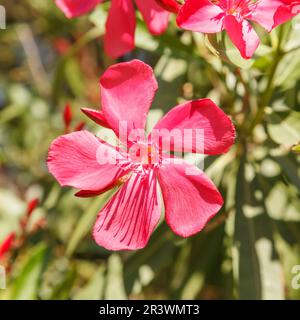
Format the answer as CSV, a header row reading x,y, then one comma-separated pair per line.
x,y
246,264
25,286
296,148
86,222
285,131
94,289
115,289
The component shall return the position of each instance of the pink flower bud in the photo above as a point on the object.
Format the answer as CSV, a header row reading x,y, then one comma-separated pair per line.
x,y
7,244
31,206
67,115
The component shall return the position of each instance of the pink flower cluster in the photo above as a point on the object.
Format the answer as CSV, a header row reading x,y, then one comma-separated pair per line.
x,y
207,16
121,22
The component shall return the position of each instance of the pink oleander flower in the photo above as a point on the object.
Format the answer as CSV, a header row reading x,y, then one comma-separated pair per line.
x,y
288,10
128,219
121,22
234,16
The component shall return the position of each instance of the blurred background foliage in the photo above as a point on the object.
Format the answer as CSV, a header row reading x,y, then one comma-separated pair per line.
x,y
246,252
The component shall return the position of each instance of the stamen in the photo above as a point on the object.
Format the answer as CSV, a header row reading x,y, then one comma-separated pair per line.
x,y
122,179
239,8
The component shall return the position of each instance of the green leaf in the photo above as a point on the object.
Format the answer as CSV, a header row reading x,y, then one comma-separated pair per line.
x,y
94,289
157,255
270,270
282,204
257,268
288,70
290,168
296,148
154,116
234,55
98,18
204,264
86,222
74,77
115,289
144,40
61,291
25,285
285,131
245,260
193,285
287,242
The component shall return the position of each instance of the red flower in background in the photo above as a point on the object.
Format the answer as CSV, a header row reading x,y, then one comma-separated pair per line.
x,y
7,244
67,115
129,218
68,118
15,240
31,206
121,22
234,16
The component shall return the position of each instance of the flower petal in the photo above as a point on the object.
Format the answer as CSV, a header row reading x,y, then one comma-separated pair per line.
x,y
96,116
287,11
154,15
200,16
170,5
242,35
127,91
75,8
6,245
264,13
216,132
74,160
120,28
91,194
129,218
190,200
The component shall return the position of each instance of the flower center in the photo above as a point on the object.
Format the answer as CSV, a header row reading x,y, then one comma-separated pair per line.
x,y
145,156
239,8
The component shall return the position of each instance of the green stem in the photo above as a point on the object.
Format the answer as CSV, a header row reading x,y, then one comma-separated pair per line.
x,y
246,98
81,42
279,53
292,50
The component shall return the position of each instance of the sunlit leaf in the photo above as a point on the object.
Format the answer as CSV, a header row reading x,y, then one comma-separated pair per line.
x,y
25,285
